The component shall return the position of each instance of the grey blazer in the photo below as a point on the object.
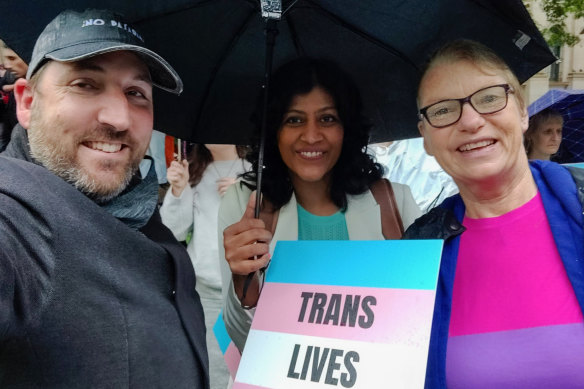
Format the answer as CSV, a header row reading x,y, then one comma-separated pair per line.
x,y
363,218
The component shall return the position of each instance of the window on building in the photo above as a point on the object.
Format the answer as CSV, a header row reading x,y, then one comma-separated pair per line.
x,y
555,67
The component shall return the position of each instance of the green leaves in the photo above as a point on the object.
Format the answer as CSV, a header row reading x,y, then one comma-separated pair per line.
x,y
557,11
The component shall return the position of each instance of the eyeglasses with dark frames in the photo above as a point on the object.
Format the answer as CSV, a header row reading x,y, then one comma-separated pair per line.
x,y
484,101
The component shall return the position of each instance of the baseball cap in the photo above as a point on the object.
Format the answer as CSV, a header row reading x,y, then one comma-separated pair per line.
x,y
73,36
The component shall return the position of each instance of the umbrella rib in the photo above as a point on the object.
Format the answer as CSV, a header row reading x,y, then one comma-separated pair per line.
x,y
173,11
289,6
363,34
294,36
569,105
220,62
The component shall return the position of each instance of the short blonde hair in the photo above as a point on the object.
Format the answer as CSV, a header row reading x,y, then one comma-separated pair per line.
x,y
478,54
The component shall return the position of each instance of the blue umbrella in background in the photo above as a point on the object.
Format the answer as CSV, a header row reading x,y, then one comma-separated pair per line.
x,y
570,103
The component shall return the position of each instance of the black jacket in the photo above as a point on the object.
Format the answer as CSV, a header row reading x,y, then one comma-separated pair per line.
x,y
85,300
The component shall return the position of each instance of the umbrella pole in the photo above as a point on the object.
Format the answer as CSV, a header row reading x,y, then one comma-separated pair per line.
x,y
271,32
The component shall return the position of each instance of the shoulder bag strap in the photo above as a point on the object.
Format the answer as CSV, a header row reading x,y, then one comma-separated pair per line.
x,y
391,222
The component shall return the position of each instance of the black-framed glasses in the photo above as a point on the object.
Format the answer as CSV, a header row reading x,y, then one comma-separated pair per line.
x,y
447,112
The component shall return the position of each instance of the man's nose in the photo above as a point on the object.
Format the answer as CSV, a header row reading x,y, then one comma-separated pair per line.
x,y
115,110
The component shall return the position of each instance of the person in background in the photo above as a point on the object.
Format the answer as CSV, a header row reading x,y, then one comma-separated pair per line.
x,y
544,134
508,311
190,209
96,292
13,63
15,68
315,183
155,154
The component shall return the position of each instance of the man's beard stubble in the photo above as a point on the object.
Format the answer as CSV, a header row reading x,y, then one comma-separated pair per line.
x,y
54,155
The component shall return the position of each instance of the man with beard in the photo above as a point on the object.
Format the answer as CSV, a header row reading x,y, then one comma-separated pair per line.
x,y
94,290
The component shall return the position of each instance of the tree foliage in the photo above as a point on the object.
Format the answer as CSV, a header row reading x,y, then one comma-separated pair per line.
x,y
557,11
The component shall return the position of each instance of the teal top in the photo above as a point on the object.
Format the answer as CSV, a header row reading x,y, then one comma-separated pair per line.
x,y
313,227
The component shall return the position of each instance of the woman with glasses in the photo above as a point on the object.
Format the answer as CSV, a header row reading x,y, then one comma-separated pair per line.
x,y
316,182
508,309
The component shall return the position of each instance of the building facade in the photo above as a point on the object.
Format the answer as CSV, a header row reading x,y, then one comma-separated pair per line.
x,y
568,72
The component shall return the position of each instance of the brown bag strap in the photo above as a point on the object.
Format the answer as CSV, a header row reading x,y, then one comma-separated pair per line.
x,y
391,222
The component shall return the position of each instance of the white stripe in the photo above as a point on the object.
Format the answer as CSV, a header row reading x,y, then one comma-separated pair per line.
x,y
268,360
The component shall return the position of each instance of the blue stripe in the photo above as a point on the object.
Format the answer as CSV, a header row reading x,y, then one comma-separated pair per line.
x,y
578,165
221,333
400,264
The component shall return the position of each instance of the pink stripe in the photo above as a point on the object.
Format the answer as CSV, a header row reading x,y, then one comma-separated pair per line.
x,y
232,358
400,315
239,385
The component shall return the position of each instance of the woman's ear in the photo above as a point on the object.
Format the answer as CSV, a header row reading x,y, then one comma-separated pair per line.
x,y
23,96
524,120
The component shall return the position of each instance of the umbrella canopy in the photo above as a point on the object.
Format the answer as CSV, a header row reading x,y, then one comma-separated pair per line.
x,y
218,48
570,103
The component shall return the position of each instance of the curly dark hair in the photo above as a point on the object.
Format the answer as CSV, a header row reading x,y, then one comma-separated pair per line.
x,y
355,169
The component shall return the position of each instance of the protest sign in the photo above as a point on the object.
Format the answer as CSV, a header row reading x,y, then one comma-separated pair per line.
x,y
227,347
350,314
578,165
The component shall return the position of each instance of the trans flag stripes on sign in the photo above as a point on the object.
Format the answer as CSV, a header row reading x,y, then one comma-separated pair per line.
x,y
350,314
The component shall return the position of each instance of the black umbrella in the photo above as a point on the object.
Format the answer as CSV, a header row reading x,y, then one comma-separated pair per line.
x,y
225,49
219,49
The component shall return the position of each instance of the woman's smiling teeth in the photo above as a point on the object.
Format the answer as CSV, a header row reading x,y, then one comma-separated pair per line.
x,y
105,147
477,145
311,154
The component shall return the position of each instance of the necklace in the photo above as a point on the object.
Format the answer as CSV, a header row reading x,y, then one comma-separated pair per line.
x,y
219,175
